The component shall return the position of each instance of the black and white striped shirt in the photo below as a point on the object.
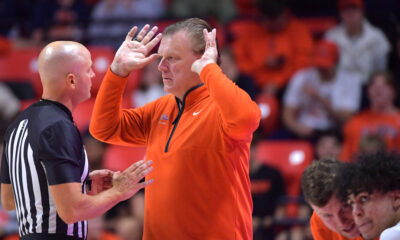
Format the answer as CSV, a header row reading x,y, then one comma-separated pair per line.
x,y
43,147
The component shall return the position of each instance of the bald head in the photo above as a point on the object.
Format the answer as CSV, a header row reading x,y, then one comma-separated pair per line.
x,y
65,70
59,58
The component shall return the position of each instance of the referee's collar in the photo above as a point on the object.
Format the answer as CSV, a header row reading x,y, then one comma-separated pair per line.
x,y
60,105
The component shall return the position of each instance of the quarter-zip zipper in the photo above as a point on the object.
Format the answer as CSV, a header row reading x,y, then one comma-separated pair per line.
x,y
181,106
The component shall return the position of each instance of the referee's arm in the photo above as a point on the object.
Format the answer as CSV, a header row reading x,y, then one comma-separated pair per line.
x,y
7,197
7,194
73,206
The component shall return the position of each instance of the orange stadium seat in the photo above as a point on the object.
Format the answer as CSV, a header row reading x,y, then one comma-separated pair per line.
x,y
20,66
290,158
118,158
269,107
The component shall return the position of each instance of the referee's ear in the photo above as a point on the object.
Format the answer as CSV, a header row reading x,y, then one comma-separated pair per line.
x,y
71,80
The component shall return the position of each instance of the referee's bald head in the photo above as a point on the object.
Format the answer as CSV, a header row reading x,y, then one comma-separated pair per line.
x,y
65,71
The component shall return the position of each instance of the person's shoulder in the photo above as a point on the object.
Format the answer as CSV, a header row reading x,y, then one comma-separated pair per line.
x,y
59,131
50,114
358,119
44,115
392,233
373,31
305,74
335,32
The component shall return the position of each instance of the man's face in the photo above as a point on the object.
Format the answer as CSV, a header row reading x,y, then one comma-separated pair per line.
x,y
372,213
176,62
326,74
337,217
327,147
84,74
379,92
352,17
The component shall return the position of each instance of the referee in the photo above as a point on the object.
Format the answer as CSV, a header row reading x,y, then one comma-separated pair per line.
x,y
44,168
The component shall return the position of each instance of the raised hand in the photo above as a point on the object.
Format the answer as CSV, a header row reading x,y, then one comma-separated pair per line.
x,y
210,53
127,182
132,54
101,180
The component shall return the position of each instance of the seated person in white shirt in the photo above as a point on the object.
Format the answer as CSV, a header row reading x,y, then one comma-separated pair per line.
x,y
321,97
363,47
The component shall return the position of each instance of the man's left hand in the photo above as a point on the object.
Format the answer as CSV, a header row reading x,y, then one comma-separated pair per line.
x,y
101,180
210,53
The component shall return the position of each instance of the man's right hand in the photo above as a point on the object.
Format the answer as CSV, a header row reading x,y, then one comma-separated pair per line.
x,y
132,54
126,183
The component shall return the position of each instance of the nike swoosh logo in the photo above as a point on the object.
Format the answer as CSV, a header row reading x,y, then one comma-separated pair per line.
x,y
195,113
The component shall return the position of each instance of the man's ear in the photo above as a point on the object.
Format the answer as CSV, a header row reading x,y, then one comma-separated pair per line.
x,y
71,80
395,195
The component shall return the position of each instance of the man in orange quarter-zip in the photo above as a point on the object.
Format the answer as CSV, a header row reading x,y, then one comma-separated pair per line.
x,y
198,136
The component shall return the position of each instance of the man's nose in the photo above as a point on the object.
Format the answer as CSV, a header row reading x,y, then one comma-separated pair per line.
x,y
162,66
357,210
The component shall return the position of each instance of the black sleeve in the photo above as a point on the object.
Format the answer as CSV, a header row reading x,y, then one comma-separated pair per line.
x,y
60,149
5,173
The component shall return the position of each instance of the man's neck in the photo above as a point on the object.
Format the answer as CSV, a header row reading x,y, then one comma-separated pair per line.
x,y
355,31
64,101
385,109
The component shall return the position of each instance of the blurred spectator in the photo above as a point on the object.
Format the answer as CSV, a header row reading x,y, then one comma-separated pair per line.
x,y
127,218
230,68
372,144
15,16
222,10
397,59
328,145
312,8
150,86
59,19
129,228
321,97
97,230
136,206
112,19
95,151
270,114
8,16
267,187
363,48
271,51
382,118
9,107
